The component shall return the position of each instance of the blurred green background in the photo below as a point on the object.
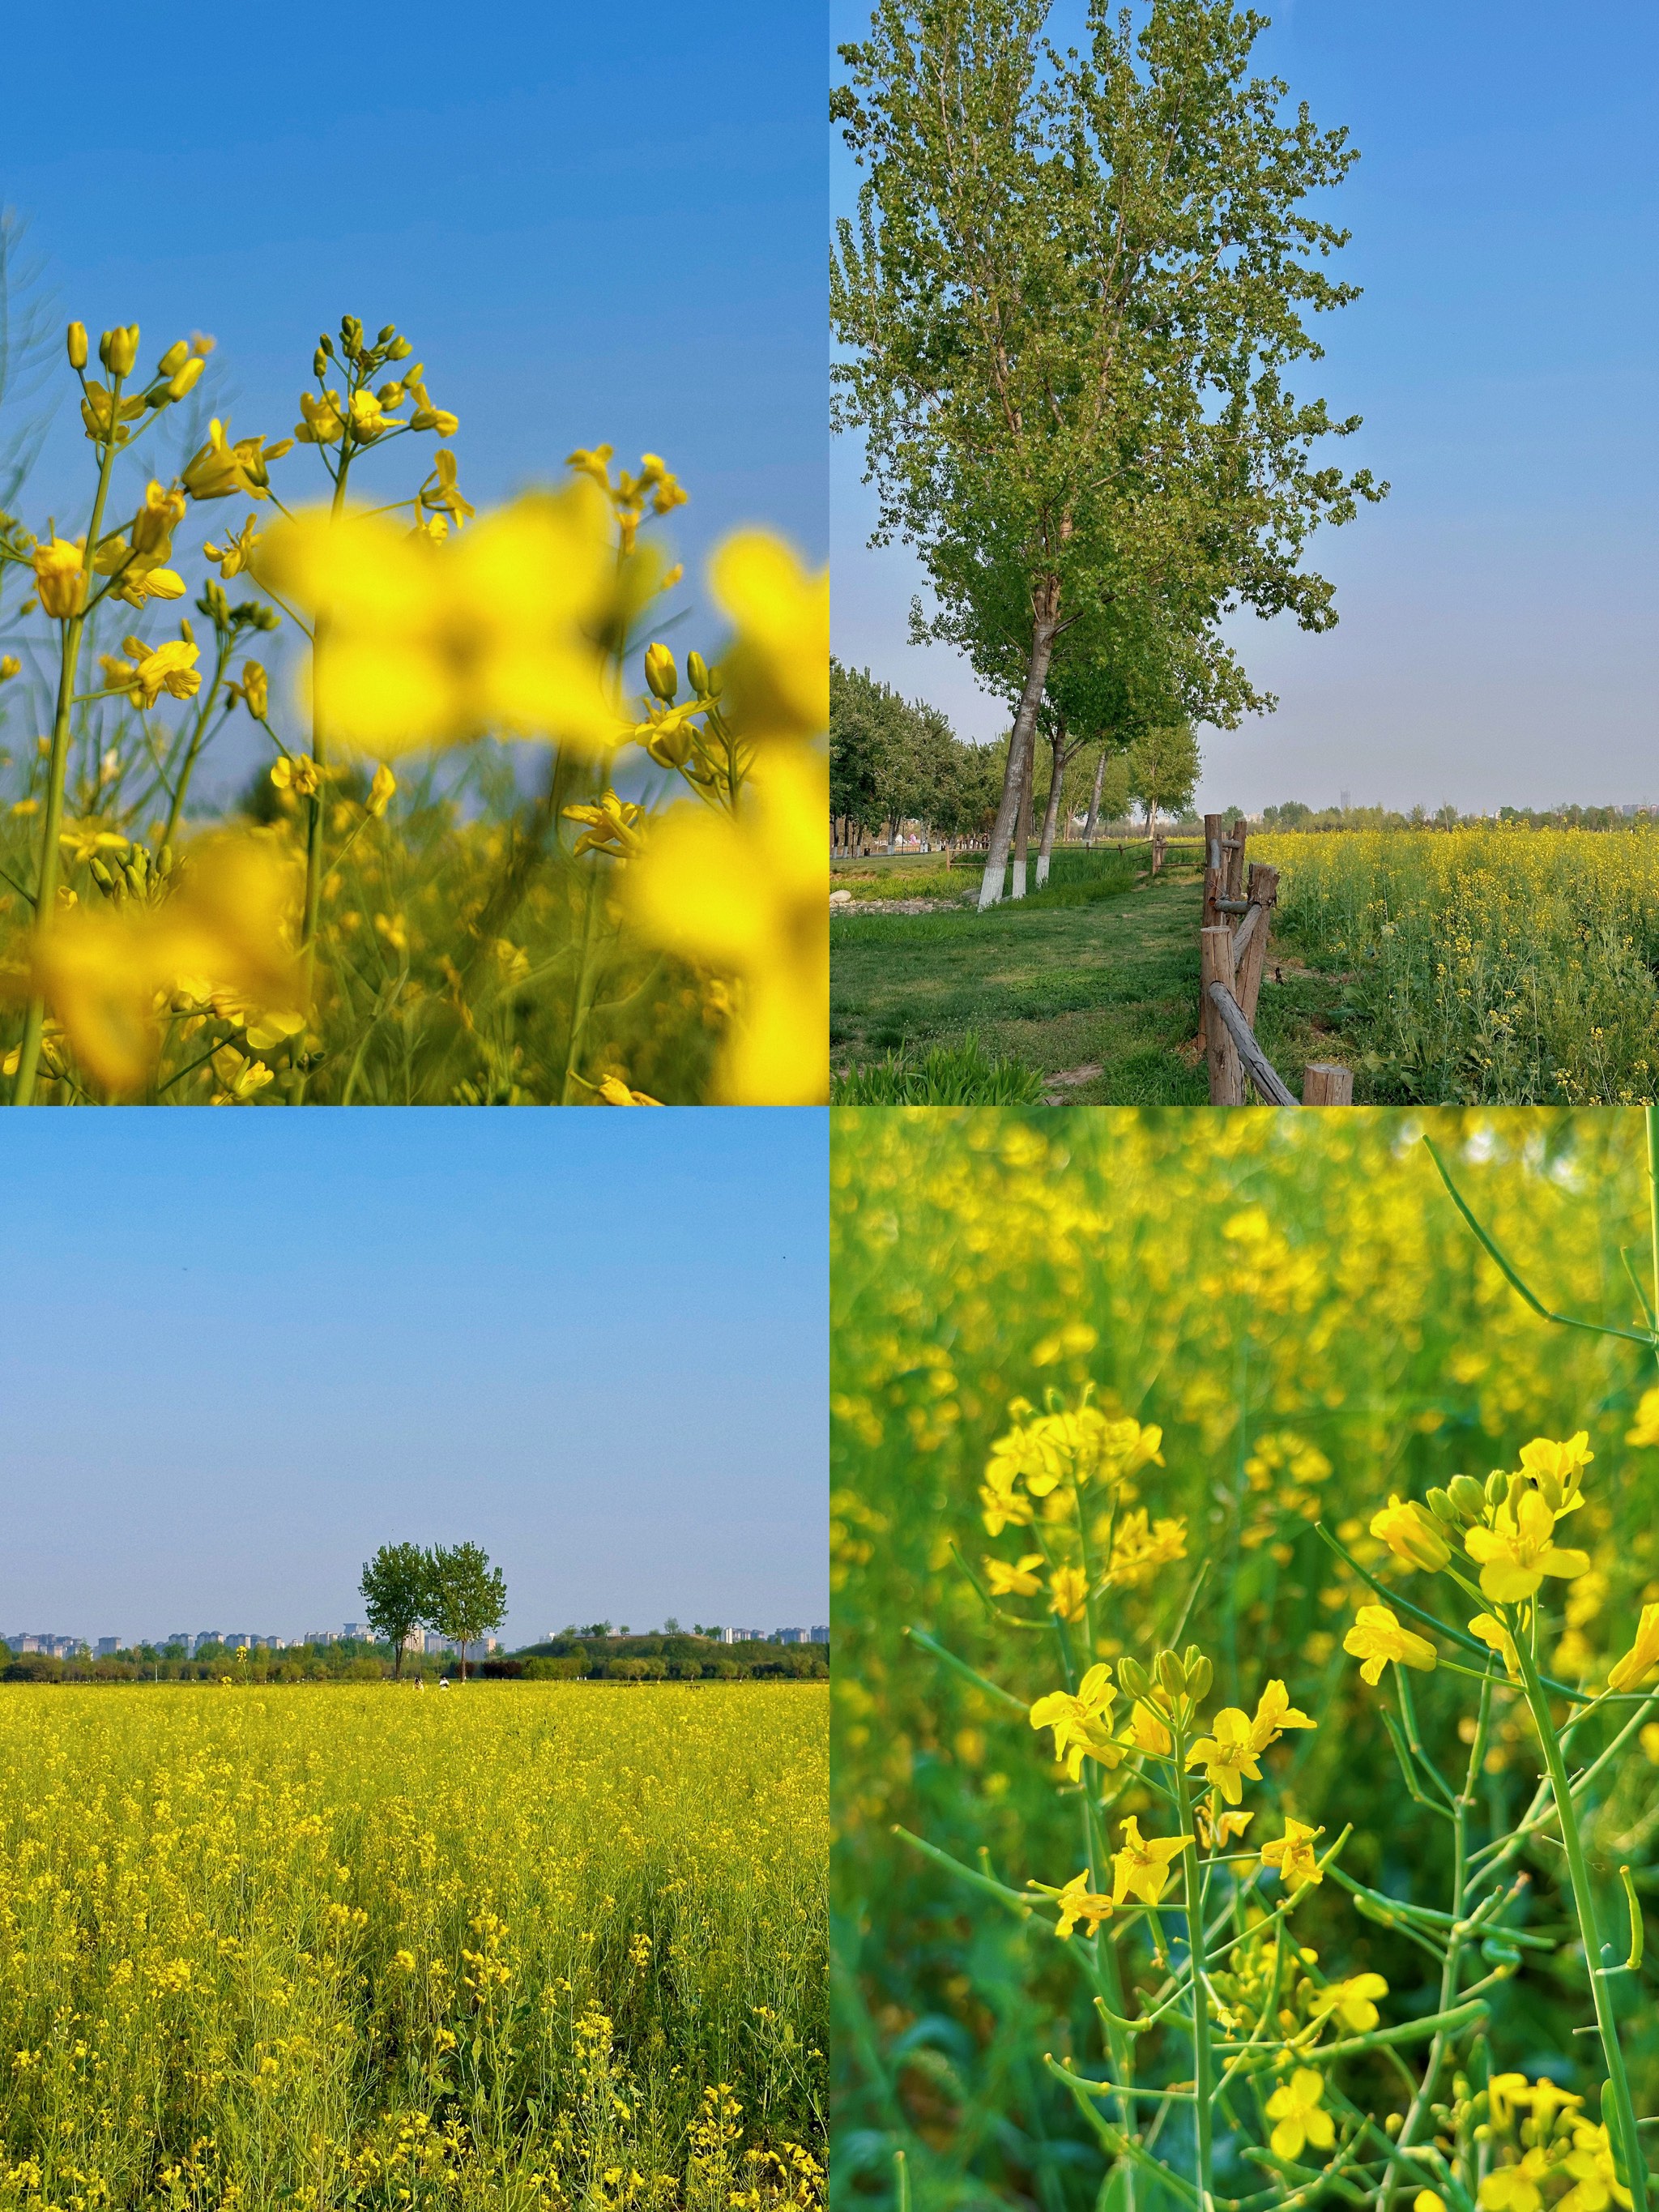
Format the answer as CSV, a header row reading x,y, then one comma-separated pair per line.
x,y
1294,1299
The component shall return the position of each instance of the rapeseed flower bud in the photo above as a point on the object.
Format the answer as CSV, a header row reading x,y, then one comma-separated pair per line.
x,y
696,675
119,348
660,673
10,666
1467,1497
1411,1535
173,359
58,578
255,690
77,341
186,378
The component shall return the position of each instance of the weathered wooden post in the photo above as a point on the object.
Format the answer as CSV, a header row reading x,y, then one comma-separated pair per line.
x,y
1234,847
1211,915
1250,947
1324,1083
1220,1053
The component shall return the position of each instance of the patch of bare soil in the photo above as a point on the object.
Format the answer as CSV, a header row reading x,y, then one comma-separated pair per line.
x,y
1067,1078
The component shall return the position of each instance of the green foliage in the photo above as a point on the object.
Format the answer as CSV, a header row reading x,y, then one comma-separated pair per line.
x,y
1163,768
893,760
398,1593
946,1075
466,1598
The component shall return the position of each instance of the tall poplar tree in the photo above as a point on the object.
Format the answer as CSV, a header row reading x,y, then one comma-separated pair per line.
x,y
1067,308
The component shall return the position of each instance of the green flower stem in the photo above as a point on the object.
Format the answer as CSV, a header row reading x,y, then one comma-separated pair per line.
x,y
968,1673
1653,1204
314,893
1119,2042
45,889
1471,2011
1622,2118
1203,2061
193,750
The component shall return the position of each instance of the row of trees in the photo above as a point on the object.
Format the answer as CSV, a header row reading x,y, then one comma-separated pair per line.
x,y
451,1589
894,760
1067,309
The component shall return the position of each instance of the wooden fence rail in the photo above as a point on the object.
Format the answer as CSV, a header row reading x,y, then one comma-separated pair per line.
x,y
1232,956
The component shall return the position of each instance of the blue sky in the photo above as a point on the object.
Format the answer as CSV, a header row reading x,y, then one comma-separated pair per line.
x,y
594,223
1497,641
241,1351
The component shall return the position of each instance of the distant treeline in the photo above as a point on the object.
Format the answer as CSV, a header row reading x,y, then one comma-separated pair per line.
x,y
1293,814
616,1658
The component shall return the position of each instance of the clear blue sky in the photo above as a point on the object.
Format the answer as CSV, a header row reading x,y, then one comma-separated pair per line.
x,y
594,223
240,1350
1497,641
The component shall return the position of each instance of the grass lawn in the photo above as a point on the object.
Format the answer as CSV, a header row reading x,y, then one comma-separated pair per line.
x,y
1102,996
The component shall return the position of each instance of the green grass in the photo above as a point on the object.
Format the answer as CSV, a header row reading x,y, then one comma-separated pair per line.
x,y
946,1075
1089,973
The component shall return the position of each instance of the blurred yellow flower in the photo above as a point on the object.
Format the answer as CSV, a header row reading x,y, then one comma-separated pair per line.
x,y
778,671
1412,1535
382,790
1520,1549
613,1091
747,892
1068,1588
433,644
615,826
1376,1637
1646,1428
1351,2002
1020,1580
298,773
107,977
10,666
1142,1868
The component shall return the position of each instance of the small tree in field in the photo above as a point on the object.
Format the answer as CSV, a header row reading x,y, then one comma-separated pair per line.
x,y
1164,767
468,1595
397,1593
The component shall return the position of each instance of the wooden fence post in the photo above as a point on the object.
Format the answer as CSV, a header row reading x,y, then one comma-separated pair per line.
x,y
1235,849
1214,877
1216,966
1264,895
1324,1083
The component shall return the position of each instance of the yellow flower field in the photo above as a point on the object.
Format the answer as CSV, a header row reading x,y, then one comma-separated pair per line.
x,y
527,1946
1235,1577
1506,966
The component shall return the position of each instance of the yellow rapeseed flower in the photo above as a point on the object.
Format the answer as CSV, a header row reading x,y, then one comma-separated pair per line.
x,y
1082,1722
1068,1588
1517,2188
1291,1858
1142,1868
1300,2118
169,667
1353,2001
1491,1630
747,893
382,792
1023,1580
1646,1428
1077,1901
1520,1549
615,826
298,773
1642,1655
220,470
613,1091
1227,1753
1377,1637
236,554
10,666
153,526
1557,1469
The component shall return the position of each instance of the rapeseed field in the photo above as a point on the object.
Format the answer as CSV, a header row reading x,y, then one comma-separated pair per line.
x,y
526,1945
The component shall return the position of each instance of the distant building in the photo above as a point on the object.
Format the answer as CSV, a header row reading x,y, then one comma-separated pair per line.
x,y
789,1636
356,1631
107,1646
820,1636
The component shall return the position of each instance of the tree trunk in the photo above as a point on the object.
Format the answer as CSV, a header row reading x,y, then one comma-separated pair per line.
x,y
1023,836
397,1659
1051,811
1094,799
1045,622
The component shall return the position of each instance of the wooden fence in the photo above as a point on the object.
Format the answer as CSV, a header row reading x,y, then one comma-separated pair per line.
x,y
1233,954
